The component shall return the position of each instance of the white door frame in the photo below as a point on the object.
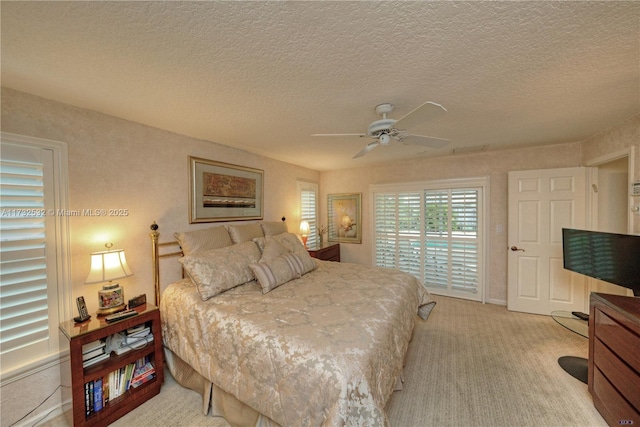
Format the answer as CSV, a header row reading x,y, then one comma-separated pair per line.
x,y
629,153
594,285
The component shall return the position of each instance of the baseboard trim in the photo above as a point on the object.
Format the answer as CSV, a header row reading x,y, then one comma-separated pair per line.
x,y
38,419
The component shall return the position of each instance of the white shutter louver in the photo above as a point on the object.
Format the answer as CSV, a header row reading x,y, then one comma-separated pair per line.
x,y
23,267
308,210
433,234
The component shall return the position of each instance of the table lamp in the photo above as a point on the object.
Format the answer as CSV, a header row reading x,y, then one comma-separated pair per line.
x,y
304,232
107,266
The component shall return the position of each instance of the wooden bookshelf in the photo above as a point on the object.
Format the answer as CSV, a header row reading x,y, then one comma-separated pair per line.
x,y
74,376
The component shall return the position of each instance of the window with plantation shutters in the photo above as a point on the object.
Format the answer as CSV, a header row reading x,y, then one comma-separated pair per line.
x,y
451,239
308,195
398,231
433,231
29,282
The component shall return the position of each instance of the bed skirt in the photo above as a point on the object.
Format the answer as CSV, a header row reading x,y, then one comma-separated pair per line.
x,y
220,403
215,401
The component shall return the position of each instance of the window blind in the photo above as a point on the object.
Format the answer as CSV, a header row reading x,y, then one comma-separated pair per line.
x,y
308,210
434,234
451,239
398,231
23,264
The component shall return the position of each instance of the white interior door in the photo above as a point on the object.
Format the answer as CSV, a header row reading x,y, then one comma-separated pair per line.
x,y
541,203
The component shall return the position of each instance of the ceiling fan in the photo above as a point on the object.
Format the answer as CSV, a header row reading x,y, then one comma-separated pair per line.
x,y
386,129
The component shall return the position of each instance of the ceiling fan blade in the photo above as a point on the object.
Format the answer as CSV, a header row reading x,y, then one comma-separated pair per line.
x,y
425,141
340,134
428,110
370,146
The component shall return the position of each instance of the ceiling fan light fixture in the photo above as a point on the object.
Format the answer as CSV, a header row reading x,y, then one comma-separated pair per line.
x,y
385,129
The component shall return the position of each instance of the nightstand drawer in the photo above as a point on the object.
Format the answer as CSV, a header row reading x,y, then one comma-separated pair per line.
x,y
332,253
328,252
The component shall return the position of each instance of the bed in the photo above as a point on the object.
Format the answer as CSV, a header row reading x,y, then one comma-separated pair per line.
x,y
272,337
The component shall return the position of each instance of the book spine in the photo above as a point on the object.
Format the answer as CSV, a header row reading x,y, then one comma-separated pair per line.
x,y
87,406
97,395
91,397
105,390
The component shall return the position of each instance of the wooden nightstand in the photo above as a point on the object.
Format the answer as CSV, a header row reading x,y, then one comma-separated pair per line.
x,y
326,252
78,380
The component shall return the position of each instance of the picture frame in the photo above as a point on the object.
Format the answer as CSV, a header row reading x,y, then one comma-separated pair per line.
x,y
224,192
345,217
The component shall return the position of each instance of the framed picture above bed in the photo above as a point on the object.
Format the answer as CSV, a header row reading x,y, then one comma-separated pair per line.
x,y
345,217
224,192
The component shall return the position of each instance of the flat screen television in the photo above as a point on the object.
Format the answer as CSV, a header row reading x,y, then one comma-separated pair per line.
x,y
614,258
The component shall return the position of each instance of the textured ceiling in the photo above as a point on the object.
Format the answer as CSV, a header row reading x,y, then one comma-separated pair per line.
x,y
264,76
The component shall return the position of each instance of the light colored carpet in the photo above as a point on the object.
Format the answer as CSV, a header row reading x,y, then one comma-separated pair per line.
x,y
469,365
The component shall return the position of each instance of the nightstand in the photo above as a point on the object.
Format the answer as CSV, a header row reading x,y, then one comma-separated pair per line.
x,y
95,405
326,252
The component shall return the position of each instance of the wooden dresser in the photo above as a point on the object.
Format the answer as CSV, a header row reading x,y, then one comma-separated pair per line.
x,y
614,358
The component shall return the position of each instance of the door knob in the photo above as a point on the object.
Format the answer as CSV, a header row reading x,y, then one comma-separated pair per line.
x,y
515,248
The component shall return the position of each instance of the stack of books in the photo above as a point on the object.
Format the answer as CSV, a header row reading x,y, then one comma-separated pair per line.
x,y
93,353
100,391
134,338
143,373
94,396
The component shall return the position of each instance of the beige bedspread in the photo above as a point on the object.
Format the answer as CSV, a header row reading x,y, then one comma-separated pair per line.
x,y
325,349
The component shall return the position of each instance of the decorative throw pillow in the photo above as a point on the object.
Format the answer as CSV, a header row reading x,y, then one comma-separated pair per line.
x,y
244,232
273,273
202,240
272,249
260,241
271,228
291,241
217,270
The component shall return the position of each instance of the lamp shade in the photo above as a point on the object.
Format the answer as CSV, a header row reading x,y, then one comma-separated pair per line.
x,y
304,228
107,266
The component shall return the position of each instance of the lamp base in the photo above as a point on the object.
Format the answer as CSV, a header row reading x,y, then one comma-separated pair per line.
x,y
110,299
110,310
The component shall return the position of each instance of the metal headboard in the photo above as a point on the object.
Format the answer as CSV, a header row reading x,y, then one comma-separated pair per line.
x,y
156,255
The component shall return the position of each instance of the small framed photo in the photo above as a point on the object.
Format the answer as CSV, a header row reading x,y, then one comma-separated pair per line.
x,y
223,192
345,217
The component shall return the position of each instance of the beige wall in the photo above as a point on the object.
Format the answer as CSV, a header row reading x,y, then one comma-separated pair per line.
x,y
115,163
118,164
495,165
618,139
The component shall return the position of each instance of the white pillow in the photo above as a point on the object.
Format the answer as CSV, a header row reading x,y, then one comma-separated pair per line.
x,y
217,270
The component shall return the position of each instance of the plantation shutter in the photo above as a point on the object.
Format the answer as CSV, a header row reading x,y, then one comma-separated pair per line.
x,y
34,272
398,231
433,233
308,209
451,227
24,292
